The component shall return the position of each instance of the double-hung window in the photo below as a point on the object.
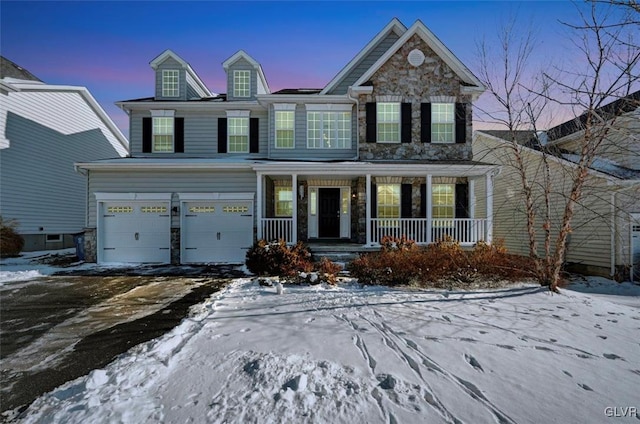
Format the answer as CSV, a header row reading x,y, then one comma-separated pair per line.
x,y
388,198
284,129
442,123
163,134
241,83
238,135
388,121
170,83
443,199
284,201
329,129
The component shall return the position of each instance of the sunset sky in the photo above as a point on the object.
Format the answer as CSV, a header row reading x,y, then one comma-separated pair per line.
x,y
107,46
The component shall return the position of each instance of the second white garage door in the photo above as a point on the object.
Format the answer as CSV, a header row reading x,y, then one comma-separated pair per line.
x,y
216,231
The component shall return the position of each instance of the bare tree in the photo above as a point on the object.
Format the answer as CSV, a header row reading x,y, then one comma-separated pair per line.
x,y
604,38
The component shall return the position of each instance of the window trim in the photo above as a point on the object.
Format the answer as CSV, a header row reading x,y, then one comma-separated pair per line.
x,y
229,135
236,80
334,118
276,201
170,119
292,129
57,239
389,222
165,74
380,121
452,123
452,205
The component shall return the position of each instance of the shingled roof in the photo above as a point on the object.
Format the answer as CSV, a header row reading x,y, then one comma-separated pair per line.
x,y
8,69
615,108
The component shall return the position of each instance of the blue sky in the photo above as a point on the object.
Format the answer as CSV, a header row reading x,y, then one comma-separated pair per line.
x,y
107,46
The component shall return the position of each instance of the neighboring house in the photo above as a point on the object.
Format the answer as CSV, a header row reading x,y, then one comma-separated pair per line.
x,y
605,237
383,149
44,130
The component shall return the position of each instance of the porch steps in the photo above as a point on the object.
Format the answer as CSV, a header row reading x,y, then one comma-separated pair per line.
x,y
338,252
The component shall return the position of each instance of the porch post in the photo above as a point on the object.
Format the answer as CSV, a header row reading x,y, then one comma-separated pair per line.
x,y
294,213
489,227
259,195
368,209
428,193
472,198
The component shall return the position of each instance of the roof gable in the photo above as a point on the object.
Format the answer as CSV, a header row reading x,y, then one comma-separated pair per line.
x,y
263,86
394,26
419,29
198,85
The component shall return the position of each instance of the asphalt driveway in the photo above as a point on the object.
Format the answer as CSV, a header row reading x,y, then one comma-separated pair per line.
x,y
57,328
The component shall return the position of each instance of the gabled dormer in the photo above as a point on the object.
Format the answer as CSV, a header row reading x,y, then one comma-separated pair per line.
x,y
245,79
175,80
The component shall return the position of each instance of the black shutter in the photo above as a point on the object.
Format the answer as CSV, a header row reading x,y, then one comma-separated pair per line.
x,y
254,135
374,201
178,135
372,122
423,200
425,122
461,123
222,135
405,201
147,131
462,201
405,120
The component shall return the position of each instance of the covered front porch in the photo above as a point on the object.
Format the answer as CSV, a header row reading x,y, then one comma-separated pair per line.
x,y
362,202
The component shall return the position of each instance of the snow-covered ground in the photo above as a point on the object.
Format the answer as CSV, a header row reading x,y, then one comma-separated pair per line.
x,y
29,266
351,354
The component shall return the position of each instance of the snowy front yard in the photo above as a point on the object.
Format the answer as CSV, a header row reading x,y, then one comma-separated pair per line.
x,y
324,354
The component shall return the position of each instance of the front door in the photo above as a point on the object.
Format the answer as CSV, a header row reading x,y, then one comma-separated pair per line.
x,y
329,212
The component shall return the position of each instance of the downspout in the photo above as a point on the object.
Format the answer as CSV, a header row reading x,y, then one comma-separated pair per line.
x,y
355,99
612,272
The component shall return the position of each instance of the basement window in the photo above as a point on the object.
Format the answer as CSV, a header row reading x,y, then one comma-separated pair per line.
x,y
52,238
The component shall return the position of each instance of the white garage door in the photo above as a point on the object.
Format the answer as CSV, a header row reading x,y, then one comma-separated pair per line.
x,y
216,231
135,231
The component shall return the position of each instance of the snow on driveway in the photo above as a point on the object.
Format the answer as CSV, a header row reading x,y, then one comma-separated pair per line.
x,y
347,354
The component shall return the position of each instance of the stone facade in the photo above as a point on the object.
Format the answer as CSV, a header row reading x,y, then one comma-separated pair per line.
x,y
175,246
90,245
397,80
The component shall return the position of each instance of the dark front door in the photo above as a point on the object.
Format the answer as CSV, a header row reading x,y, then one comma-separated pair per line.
x,y
329,212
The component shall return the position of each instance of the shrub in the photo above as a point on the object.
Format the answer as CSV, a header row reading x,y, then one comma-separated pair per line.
x,y
11,243
278,259
401,262
327,270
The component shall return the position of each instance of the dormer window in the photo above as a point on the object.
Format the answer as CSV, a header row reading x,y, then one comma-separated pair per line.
x,y
170,83
241,83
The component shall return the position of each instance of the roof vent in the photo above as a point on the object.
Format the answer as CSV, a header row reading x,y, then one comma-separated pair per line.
x,y
416,57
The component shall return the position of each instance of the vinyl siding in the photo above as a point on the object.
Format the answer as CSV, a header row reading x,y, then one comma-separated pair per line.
x,y
364,64
171,64
227,181
200,135
242,65
301,151
39,185
590,241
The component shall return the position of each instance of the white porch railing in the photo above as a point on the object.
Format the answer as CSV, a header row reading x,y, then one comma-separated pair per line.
x,y
277,228
465,231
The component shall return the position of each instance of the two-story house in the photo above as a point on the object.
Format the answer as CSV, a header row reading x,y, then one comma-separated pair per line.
x,y
383,149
